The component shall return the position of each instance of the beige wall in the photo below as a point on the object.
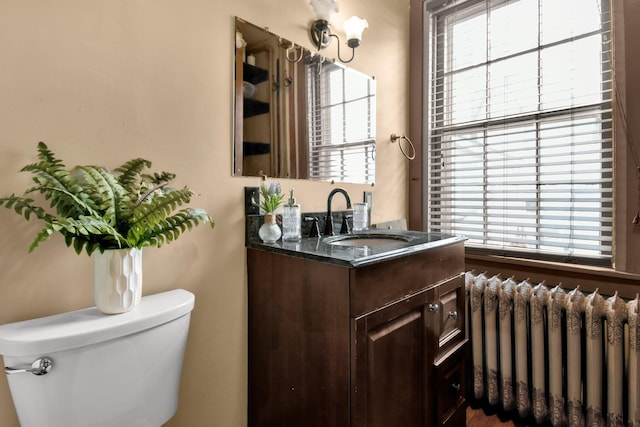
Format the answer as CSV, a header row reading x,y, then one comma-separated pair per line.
x,y
105,81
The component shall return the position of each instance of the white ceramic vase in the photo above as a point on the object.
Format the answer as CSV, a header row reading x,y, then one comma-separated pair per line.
x,y
117,279
269,231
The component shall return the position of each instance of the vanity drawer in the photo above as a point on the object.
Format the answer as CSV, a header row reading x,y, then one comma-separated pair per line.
x,y
449,305
377,285
450,380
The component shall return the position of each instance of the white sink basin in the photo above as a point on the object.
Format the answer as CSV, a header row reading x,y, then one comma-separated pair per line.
x,y
367,240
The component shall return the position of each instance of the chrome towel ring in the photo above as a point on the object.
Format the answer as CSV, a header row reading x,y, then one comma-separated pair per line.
x,y
395,138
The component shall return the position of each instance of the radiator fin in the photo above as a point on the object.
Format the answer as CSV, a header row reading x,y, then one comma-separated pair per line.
x,y
594,312
505,308
575,303
556,305
521,310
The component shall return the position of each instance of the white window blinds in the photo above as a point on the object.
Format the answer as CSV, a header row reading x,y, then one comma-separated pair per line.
x,y
341,119
519,127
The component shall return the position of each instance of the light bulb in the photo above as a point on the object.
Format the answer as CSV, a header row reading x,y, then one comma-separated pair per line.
x,y
354,27
324,9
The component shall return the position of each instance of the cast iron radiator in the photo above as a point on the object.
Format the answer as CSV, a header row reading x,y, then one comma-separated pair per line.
x,y
555,355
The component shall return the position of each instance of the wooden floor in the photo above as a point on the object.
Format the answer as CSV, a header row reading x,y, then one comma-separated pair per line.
x,y
477,418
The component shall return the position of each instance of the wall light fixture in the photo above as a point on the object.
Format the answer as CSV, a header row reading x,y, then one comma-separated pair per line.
x,y
321,33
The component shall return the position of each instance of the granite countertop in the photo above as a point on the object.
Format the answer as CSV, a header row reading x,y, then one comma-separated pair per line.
x,y
320,249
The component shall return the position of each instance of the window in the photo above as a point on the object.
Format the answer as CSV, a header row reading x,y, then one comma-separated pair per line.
x,y
520,129
341,109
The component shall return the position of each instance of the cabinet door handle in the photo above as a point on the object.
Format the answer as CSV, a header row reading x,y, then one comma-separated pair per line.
x,y
453,315
455,387
434,308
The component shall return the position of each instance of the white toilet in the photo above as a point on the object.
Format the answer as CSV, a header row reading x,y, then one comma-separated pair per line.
x,y
101,370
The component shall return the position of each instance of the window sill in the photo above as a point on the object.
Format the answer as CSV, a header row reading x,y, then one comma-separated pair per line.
x,y
588,278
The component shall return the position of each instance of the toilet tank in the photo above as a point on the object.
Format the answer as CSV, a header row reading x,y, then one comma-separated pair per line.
x,y
108,370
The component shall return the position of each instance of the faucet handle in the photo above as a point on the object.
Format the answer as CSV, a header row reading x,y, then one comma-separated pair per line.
x,y
315,229
345,228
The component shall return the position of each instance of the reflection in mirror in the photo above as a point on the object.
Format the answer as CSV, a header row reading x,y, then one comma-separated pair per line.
x,y
298,115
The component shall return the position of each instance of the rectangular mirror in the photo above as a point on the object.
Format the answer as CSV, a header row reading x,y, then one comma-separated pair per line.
x,y
299,115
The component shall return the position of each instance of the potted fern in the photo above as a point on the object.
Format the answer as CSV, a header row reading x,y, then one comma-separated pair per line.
x,y
110,215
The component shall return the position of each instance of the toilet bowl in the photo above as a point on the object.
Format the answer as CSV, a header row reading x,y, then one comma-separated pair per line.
x,y
101,370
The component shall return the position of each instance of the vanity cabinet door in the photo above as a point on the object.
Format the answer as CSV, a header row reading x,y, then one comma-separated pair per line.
x,y
408,360
389,367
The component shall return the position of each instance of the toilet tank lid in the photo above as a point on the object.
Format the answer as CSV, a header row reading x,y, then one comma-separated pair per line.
x,y
80,328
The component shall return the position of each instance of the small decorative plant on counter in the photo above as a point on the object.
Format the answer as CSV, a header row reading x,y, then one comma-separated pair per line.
x,y
271,197
96,210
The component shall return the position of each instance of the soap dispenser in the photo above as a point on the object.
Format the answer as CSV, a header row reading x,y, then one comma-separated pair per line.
x,y
291,220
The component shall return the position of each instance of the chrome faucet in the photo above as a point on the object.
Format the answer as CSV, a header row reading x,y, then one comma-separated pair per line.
x,y
328,221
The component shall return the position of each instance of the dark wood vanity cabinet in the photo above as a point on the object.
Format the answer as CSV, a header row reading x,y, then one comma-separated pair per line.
x,y
377,345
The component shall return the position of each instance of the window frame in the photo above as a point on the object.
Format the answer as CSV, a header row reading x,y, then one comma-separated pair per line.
x,y
424,171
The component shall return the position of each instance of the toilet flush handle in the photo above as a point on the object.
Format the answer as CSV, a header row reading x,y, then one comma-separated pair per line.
x,y
40,366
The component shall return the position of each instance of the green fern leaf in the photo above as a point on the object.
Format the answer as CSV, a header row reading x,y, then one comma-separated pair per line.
x,y
42,236
24,207
108,195
50,175
130,174
159,177
89,228
170,228
82,207
46,155
78,244
91,247
154,210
